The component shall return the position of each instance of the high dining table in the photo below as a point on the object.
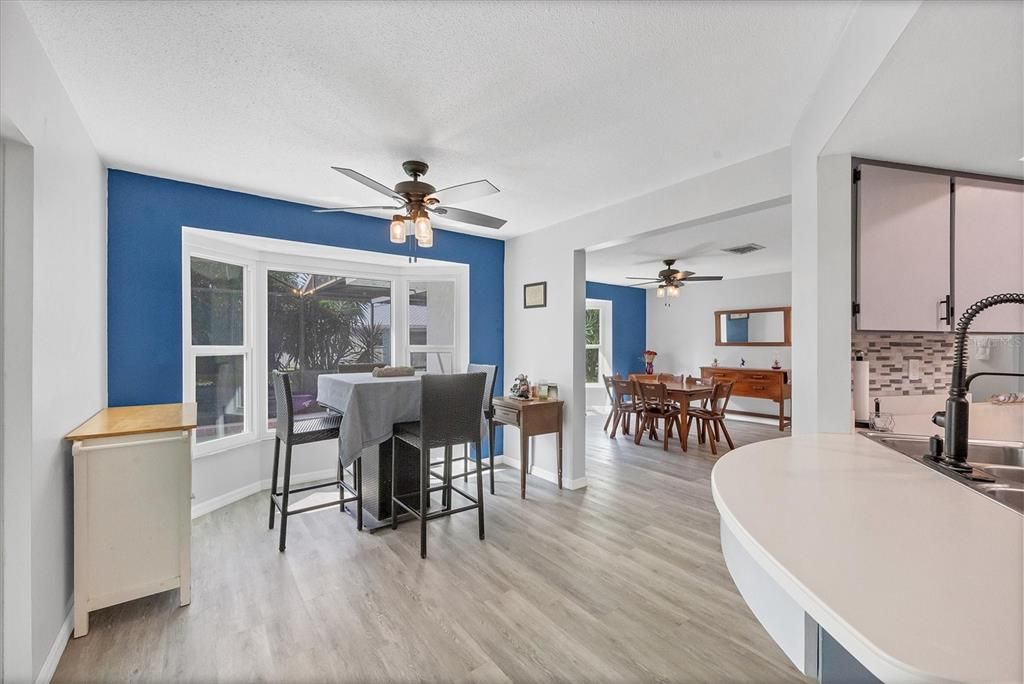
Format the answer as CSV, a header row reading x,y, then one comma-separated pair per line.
x,y
683,391
371,407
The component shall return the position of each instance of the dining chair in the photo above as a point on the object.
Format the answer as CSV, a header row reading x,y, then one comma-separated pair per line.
x,y
657,406
291,433
611,400
624,405
451,406
487,424
668,377
711,419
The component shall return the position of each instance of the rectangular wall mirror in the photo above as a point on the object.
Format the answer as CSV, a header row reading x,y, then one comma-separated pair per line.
x,y
766,327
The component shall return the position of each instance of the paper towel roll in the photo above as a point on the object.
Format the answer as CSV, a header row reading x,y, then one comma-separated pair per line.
x,y
861,401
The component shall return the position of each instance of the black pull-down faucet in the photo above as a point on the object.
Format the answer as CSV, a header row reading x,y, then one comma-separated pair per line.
x,y
955,418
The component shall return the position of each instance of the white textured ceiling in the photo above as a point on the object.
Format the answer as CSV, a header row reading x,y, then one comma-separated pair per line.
x,y
950,93
699,247
565,106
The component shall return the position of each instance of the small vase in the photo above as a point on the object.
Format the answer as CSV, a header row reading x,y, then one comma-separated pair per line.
x,y
650,368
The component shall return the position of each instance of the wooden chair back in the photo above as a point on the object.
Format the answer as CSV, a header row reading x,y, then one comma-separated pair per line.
x,y
642,377
622,394
608,380
668,377
720,394
653,395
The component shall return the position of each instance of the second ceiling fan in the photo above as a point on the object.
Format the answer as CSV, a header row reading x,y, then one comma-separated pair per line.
x,y
671,279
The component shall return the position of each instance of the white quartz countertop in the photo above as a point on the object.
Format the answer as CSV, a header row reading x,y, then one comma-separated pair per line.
x,y
916,575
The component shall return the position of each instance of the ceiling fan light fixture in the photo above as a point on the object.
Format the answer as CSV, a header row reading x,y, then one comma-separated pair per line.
x,y
423,229
427,241
397,230
661,292
673,291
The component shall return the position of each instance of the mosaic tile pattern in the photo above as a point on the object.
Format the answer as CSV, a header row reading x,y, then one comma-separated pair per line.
x,y
888,355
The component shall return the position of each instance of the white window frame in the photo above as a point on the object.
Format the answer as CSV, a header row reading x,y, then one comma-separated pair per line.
x,y
261,258
191,351
604,354
440,348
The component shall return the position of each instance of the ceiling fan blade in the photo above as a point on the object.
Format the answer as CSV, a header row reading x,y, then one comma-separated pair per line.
x,y
649,282
683,274
471,217
641,278
456,194
695,279
335,209
370,183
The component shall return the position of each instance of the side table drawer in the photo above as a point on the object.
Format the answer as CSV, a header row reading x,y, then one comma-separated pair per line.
x,y
506,415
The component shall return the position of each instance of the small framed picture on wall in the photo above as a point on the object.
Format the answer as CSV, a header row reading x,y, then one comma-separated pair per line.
x,y
535,295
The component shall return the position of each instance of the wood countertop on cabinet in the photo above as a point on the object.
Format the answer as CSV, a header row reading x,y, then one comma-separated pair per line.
x,y
136,420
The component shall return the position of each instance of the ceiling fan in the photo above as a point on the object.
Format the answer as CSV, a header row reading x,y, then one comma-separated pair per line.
x,y
416,199
671,279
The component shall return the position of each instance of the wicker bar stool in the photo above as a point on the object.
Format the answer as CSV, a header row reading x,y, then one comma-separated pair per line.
x,y
292,433
451,406
488,417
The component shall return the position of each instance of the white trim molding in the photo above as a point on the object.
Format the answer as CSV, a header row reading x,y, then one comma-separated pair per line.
x,y
60,643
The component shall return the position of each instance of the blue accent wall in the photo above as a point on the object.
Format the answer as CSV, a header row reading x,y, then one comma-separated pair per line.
x,y
629,324
145,215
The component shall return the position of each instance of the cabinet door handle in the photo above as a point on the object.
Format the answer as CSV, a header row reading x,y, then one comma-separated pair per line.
x,y
946,305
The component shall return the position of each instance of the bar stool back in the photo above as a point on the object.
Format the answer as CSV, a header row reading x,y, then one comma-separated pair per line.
x,y
488,417
450,410
290,432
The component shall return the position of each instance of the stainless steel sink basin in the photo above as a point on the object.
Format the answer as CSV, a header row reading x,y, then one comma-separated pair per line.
x,y
1002,461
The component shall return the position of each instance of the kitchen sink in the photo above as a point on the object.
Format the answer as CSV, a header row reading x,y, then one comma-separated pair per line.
x,y
1001,461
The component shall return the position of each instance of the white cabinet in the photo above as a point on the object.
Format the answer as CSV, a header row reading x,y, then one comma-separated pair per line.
x,y
132,511
988,238
903,248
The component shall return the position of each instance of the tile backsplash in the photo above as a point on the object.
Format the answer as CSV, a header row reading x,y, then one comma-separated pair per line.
x,y
889,357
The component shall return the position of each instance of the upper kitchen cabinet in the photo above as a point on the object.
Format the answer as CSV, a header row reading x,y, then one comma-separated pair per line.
x,y
988,239
903,250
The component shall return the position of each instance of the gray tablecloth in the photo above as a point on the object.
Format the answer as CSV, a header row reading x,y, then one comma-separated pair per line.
x,y
371,407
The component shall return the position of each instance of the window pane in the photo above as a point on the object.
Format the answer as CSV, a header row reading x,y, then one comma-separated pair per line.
x,y
217,303
322,324
592,326
592,365
432,361
432,313
220,395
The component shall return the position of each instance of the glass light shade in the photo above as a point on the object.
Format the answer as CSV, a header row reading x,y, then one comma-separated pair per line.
x,y
661,291
423,230
673,291
428,241
398,229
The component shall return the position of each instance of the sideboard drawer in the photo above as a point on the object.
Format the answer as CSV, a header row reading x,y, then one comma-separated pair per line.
x,y
763,389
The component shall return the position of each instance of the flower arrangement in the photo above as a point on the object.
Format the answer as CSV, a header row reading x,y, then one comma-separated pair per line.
x,y
649,360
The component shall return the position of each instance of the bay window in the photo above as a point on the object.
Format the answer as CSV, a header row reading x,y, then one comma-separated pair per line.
x,y
253,306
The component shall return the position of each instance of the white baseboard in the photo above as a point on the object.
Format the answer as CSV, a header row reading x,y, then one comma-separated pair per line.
x,y
210,505
547,475
57,649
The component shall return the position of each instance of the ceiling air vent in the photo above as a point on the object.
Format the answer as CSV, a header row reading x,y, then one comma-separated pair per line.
x,y
744,249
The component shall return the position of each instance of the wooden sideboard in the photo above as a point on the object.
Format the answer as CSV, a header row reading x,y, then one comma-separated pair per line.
x,y
756,383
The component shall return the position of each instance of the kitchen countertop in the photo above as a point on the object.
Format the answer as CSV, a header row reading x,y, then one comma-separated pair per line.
x,y
916,575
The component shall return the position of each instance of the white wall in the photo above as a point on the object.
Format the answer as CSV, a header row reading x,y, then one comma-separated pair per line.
x,y
822,250
547,343
68,327
683,334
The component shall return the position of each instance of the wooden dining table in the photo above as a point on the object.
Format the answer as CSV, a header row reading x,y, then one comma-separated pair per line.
x,y
682,391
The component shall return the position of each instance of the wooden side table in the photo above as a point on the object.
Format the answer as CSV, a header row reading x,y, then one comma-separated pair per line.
x,y
533,417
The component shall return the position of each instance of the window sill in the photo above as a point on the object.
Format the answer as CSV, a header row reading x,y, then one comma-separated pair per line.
x,y
201,451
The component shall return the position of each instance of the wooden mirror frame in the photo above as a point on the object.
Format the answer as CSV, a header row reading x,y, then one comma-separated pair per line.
x,y
786,327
